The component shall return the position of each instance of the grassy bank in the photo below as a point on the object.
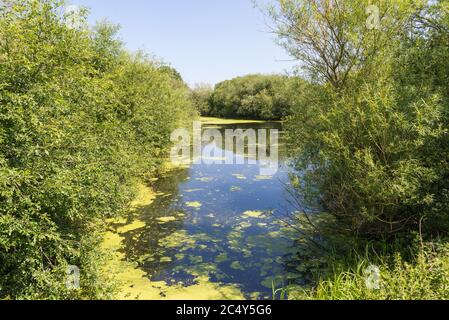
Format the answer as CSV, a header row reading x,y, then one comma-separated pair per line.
x,y
421,274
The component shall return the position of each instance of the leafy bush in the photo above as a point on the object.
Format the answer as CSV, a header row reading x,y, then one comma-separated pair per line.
x,y
80,118
266,97
425,276
370,145
422,68
201,96
371,135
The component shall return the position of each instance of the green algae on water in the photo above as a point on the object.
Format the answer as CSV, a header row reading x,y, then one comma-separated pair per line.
x,y
237,266
163,220
222,257
253,214
194,204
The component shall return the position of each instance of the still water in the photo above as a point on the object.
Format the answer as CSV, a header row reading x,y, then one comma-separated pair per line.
x,y
225,222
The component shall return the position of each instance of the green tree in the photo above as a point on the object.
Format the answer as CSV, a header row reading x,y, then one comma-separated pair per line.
x,y
201,95
80,119
363,138
267,97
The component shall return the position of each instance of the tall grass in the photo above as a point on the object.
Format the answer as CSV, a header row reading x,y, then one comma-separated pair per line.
x,y
422,276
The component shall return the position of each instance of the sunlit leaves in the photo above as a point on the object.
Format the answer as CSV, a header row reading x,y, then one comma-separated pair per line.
x,y
80,118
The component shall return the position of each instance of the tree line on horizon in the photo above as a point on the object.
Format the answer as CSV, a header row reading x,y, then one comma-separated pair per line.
x,y
254,96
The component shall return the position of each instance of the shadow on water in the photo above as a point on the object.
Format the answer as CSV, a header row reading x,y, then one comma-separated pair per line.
x,y
218,221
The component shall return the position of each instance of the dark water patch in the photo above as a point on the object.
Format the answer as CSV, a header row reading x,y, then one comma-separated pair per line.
x,y
219,221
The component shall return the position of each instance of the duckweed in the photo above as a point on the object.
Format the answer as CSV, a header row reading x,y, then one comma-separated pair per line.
x,y
253,214
194,204
237,266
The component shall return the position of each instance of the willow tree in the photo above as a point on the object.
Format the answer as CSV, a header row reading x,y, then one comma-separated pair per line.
x,y
362,136
333,39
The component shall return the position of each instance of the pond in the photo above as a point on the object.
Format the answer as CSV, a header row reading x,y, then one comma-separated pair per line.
x,y
223,222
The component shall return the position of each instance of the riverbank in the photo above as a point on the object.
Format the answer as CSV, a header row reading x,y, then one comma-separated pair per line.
x,y
405,274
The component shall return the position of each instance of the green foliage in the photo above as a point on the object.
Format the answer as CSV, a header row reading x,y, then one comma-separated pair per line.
x,y
366,158
173,73
80,118
371,132
423,276
334,39
201,97
423,70
266,97
371,129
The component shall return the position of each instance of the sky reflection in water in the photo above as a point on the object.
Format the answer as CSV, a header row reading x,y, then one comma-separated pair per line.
x,y
219,221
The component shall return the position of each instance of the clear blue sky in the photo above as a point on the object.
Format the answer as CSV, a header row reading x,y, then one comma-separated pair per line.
x,y
207,41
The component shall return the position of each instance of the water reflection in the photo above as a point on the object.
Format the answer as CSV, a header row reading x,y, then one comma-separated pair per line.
x,y
219,222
